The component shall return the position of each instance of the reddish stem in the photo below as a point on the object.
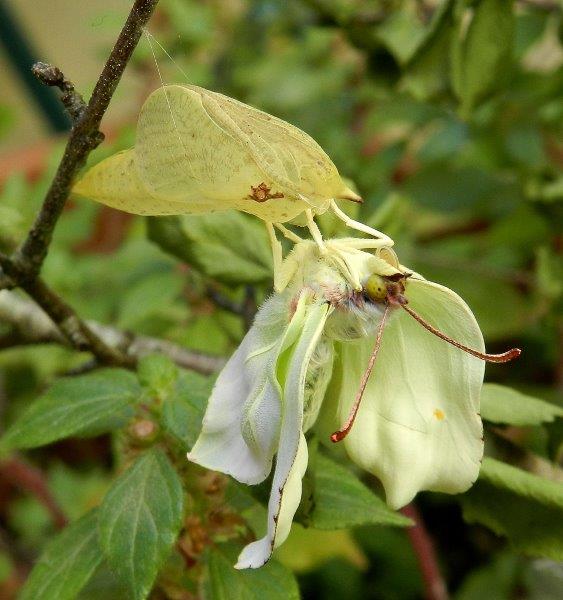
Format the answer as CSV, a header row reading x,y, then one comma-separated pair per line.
x,y
423,547
29,478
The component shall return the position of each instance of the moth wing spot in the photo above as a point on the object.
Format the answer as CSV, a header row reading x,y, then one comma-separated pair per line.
x,y
439,414
261,193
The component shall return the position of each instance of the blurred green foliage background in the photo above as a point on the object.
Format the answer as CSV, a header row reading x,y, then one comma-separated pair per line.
x,y
447,116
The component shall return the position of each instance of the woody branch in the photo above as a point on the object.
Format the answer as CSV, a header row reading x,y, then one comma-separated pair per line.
x,y
29,325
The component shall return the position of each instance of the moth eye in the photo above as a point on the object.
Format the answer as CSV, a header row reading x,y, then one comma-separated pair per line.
x,y
376,288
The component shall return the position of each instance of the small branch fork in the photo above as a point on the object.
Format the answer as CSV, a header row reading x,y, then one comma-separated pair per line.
x,y
22,267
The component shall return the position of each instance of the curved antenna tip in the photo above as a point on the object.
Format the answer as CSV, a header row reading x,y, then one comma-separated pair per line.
x,y
338,436
512,354
503,357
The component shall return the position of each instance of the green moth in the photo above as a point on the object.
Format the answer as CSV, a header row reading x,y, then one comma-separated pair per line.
x,y
354,349
197,151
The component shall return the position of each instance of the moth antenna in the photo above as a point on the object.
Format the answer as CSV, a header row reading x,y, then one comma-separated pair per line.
x,y
494,358
155,40
339,435
150,37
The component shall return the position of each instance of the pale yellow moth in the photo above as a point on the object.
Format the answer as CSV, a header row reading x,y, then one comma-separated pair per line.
x,y
198,151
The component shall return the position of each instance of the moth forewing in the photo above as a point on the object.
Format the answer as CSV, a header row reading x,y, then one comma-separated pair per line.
x,y
186,152
306,170
287,155
182,152
115,182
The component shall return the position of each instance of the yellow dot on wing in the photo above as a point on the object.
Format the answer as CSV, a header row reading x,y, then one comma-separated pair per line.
x,y
439,414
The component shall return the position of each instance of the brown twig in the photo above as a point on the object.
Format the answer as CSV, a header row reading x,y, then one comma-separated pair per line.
x,y
80,336
423,547
31,325
30,479
13,339
53,76
22,268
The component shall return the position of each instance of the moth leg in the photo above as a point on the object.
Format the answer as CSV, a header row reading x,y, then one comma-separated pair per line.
x,y
288,234
359,226
277,255
362,243
315,231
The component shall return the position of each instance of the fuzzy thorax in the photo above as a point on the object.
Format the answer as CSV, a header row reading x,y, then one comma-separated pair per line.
x,y
354,316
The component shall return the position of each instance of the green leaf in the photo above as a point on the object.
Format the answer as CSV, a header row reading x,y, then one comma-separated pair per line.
x,y
426,73
342,500
230,247
148,297
476,290
67,563
485,53
7,119
307,549
451,189
408,39
525,508
76,490
555,439
182,412
456,55
271,582
158,374
501,404
401,33
86,405
7,568
427,76
139,520
104,584
493,580
549,273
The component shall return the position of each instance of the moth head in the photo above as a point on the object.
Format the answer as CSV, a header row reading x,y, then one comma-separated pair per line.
x,y
387,290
